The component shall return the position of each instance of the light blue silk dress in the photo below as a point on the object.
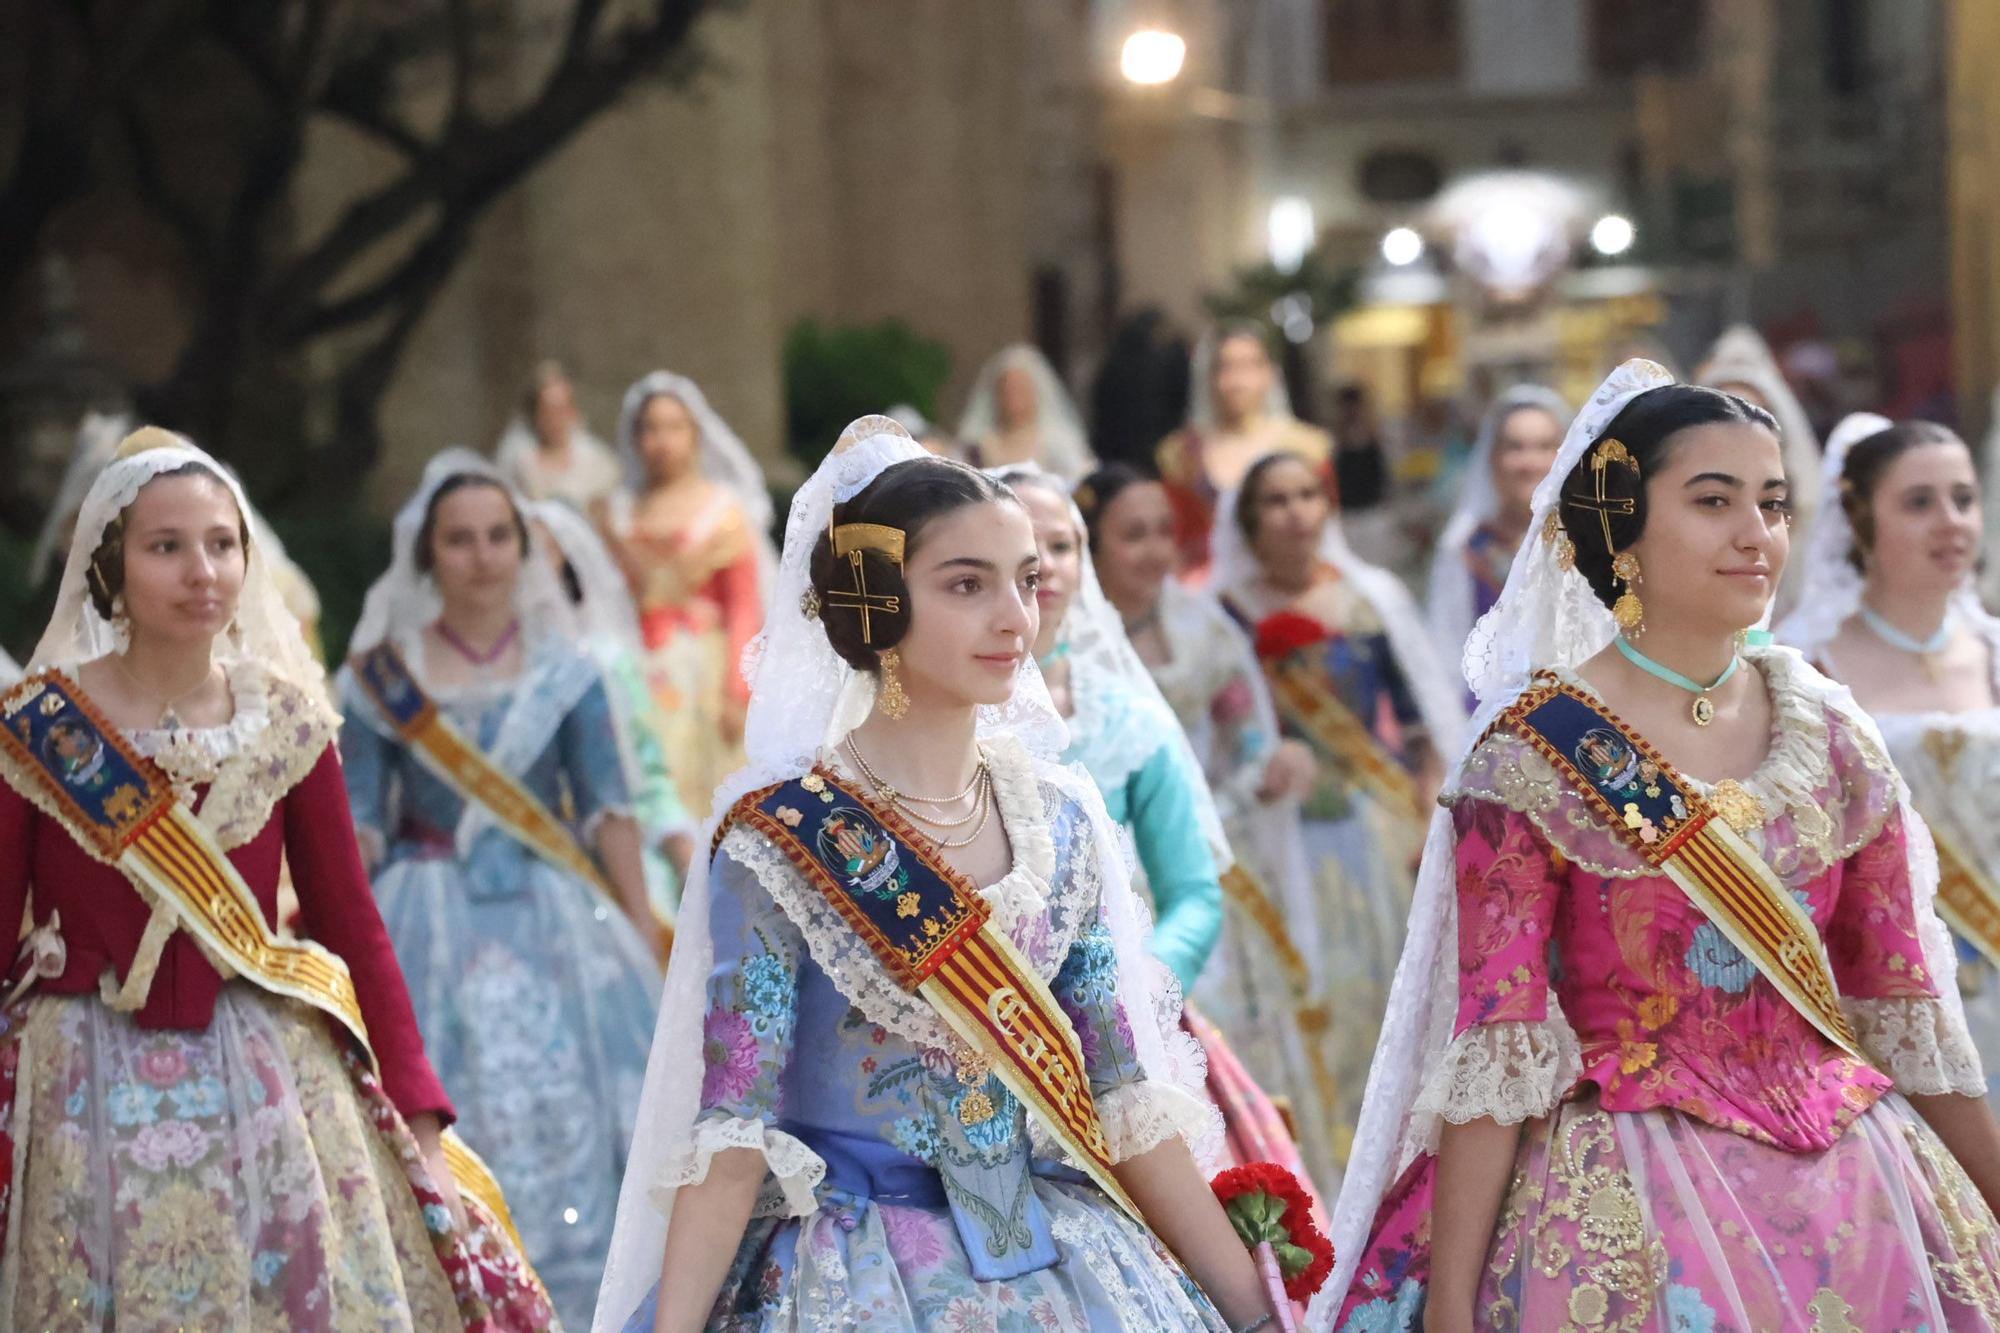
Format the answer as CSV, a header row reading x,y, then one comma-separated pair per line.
x,y
921,1220
1131,745
535,995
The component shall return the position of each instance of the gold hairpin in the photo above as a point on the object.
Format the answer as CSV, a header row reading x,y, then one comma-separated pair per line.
x,y
852,540
1608,452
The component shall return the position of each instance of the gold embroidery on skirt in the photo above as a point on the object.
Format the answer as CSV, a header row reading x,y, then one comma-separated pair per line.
x,y
1831,1314
1969,1226
1616,1253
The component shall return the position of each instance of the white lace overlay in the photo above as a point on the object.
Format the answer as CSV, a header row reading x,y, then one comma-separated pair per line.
x,y
1919,1043
794,1171
1511,1071
1021,900
1139,1117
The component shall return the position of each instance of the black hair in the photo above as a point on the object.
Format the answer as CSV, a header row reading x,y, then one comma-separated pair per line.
x,y
457,482
1245,515
1094,494
1646,427
1230,331
104,576
908,496
1868,460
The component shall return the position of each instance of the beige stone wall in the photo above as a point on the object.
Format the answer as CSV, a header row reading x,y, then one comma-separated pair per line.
x,y
844,159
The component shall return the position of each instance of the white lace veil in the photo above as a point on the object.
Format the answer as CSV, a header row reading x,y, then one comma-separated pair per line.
x,y
1829,586
1099,649
1989,485
1201,383
519,445
1452,597
804,698
1439,698
96,438
1741,356
1547,617
263,629
405,599
725,459
606,620
1063,446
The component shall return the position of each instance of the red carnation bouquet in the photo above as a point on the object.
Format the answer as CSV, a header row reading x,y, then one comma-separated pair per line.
x,y
1273,1215
1287,632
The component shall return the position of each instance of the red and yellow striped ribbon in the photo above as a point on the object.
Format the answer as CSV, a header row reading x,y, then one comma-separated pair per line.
x,y
1968,899
1321,714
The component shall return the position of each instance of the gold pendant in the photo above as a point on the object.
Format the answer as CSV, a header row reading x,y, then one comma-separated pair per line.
x,y
1703,710
976,1108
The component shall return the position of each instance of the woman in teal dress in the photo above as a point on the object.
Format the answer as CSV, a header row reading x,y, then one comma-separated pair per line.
x,y
824,1146
1124,734
528,961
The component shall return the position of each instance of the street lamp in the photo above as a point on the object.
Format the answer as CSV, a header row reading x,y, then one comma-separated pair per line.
x,y
1612,235
1402,246
1290,232
1152,56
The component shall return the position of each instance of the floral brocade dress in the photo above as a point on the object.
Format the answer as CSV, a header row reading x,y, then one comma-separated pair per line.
x,y
535,994
1952,764
1261,985
883,1207
699,606
1359,846
1696,1155
221,1157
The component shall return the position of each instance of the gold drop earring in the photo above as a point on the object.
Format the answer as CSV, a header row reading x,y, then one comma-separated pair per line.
x,y
890,700
1628,610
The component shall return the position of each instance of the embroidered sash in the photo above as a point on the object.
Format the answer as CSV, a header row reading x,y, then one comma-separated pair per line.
x,y
1968,899
60,753
466,769
1686,836
1315,708
930,930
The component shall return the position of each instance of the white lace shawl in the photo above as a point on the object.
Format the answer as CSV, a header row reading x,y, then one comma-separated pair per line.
x,y
1452,596
803,700
1547,618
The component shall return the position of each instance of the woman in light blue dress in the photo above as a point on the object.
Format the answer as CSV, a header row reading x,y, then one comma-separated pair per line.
x,y
533,984
821,1146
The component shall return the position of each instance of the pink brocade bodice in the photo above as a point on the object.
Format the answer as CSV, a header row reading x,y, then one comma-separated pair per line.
x,y
1664,1010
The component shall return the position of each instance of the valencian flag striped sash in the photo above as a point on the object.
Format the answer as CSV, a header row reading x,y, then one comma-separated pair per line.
x,y
59,752
1691,838
464,767
932,933
1315,709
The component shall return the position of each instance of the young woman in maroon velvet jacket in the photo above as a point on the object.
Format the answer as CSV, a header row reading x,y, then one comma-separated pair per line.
x,y
180,1145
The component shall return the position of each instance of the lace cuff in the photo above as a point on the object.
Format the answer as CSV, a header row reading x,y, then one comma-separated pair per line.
x,y
795,1170
1918,1042
1139,1117
1511,1071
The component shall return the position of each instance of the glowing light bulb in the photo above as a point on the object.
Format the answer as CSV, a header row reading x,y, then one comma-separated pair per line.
x,y
1151,56
1402,246
1612,234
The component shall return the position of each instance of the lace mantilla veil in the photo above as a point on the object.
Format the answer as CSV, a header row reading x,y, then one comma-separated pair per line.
x,y
1438,698
1741,356
1201,385
724,458
404,599
1452,598
1547,618
263,630
1064,446
1099,648
804,698
1830,587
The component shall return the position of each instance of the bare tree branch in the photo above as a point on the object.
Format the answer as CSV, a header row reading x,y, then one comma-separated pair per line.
x,y
194,232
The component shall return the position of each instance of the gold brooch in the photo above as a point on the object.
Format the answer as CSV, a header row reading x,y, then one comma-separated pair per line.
x,y
1739,808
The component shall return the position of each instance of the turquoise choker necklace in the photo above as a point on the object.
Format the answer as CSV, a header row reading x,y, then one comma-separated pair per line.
x,y
1895,637
1056,654
1703,709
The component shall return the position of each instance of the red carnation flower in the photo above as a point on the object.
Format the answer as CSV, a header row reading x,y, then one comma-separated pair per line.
x,y
1267,1206
1287,632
